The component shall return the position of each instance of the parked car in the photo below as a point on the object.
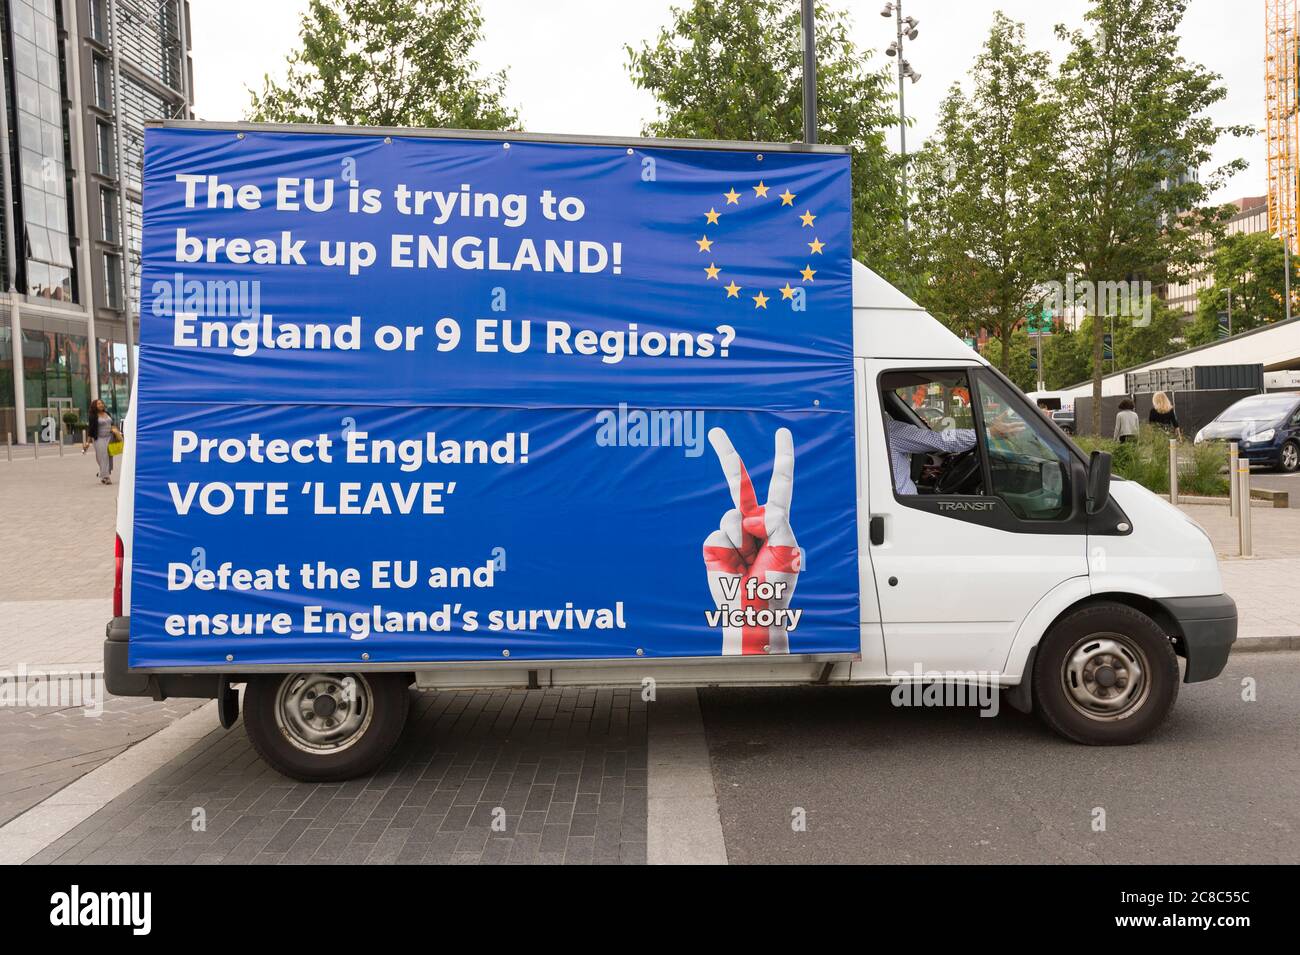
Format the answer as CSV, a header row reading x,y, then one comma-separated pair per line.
x,y
1064,418
1265,427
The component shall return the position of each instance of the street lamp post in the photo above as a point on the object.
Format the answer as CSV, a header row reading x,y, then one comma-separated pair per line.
x,y
905,29
809,24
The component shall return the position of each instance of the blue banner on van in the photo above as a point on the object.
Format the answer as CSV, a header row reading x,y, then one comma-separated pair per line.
x,y
414,399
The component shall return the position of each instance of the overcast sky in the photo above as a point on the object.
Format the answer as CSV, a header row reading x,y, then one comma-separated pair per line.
x,y
566,62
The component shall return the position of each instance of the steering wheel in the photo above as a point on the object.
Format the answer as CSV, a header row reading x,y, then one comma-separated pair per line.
x,y
960,470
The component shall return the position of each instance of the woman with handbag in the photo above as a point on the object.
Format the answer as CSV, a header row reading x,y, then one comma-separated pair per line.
x,y
101,432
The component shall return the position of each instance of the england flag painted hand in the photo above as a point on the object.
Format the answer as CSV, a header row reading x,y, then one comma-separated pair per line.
x,y
752,559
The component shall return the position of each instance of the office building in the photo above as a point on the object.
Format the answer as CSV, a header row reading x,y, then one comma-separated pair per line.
x,y
80,78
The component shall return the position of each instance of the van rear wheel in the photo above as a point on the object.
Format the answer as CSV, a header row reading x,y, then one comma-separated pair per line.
x,y
325,727
1105,675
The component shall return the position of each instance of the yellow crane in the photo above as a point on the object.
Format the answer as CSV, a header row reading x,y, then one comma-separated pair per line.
x,y
1280,90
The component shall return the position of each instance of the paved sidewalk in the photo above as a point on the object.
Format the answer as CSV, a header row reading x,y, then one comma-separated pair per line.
x,y
1262,585
56,542
1275,532
50,632
56,582
1266,605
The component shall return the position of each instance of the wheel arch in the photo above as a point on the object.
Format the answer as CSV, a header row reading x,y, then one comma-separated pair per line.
x,y
1065,599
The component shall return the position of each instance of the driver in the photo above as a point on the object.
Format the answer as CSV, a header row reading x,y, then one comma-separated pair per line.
x,y
906,439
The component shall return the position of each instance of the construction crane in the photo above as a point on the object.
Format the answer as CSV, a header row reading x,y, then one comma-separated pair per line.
x,y
1280,79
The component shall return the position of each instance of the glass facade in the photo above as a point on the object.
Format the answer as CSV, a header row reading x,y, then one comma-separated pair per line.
x,y
42,148
110,355
8,421
56,376
48,90
151,39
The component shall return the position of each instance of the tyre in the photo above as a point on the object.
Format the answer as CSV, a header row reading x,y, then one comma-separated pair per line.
x,y
1288,458
1105,675
325,727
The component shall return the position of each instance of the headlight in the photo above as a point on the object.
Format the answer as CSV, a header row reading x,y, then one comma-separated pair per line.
x,y
1260,436
1200,436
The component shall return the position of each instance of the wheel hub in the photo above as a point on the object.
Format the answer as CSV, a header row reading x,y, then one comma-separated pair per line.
x,y
323,712
1105,676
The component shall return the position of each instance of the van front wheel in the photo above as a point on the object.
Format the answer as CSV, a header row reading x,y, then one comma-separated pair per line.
x,y
1105,675
325,727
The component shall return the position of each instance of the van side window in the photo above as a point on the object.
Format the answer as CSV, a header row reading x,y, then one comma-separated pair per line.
x,y
1029,467
930,430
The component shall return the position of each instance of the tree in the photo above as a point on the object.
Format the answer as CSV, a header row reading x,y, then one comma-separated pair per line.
x,y
1067,357
989,216
1134,132
1143,338
949,280
387,63
1253,268
732,70
1015,356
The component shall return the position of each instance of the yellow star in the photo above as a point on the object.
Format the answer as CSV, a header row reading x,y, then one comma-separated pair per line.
x,y
807,217
760,300
787,292
733,290
760,191
711,216
712,271
705,243
816,246
787,198
808,272
732,197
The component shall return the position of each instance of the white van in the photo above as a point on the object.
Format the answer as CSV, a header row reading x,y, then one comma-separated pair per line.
x,y
1015,559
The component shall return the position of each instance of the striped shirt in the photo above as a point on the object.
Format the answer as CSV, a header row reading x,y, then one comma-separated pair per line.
x,y
908,439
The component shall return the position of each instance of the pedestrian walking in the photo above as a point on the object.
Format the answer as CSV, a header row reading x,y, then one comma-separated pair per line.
x,y
1126,422
1162,414
101,429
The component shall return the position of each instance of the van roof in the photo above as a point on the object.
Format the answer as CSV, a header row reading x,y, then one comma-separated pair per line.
x,y
888,324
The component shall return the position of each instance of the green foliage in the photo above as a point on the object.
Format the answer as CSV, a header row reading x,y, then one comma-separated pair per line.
x,y
984,207
387,63
1253,267
732,70
1202,468
1133,124
1018,365
1067,358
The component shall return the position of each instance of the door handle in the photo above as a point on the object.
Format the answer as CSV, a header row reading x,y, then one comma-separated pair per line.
x,y
877,530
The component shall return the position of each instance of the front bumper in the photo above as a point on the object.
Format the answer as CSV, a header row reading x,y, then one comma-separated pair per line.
x,y
1208,626
1264,454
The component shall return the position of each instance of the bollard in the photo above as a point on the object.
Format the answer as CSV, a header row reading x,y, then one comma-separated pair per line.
x,y
1232,478
36,446
1243,509
9,444
1173,471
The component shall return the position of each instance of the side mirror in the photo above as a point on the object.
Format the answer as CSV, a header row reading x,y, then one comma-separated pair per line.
x,y
1098,481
